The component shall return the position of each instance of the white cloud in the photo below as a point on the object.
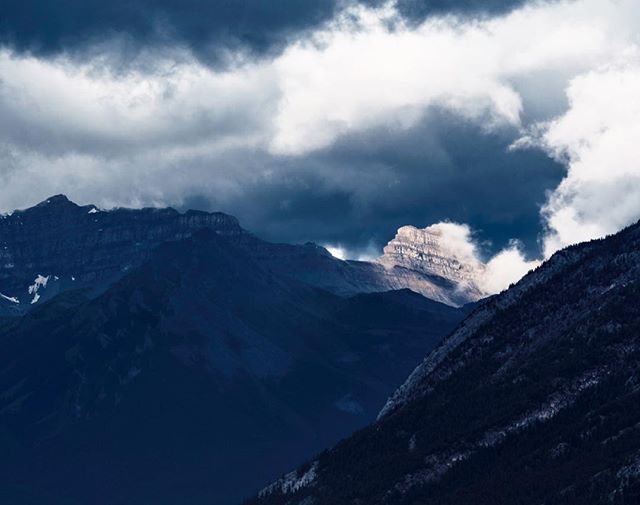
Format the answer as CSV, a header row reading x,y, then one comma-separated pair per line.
x,y
337,252
506,267
599,137
457,240
349,78
367,68
56,106
367,253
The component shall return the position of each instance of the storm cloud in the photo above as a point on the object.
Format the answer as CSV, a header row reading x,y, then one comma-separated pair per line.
x,y
335,123
208,29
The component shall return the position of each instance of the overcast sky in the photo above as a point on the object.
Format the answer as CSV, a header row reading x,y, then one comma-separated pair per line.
x,y
330,121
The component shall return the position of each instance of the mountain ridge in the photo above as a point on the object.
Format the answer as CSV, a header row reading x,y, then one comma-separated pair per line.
x,y
58,245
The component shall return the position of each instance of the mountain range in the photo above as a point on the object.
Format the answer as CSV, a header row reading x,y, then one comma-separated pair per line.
x,y
58,245
151,356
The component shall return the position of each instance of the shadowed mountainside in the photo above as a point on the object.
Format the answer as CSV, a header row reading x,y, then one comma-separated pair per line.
x,y
197,377
534,399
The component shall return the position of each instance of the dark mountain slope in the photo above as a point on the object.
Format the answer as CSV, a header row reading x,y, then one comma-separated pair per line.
x,y
196,378
534,399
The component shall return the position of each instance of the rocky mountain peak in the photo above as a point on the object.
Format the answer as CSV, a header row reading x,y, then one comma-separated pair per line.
x,y
434,250
53,206
75,246
56,200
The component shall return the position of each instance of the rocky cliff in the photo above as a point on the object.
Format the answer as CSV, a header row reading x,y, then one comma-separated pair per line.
x,y
432,253
426,250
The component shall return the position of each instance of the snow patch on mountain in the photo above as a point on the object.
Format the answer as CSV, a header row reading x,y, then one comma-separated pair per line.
x,y
11,299
40,282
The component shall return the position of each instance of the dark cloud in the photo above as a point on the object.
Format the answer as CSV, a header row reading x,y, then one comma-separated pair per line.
x,y
208,29
418,10
358,192
45,27
355,193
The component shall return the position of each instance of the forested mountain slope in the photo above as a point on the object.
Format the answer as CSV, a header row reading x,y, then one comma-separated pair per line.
x,y
534,399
